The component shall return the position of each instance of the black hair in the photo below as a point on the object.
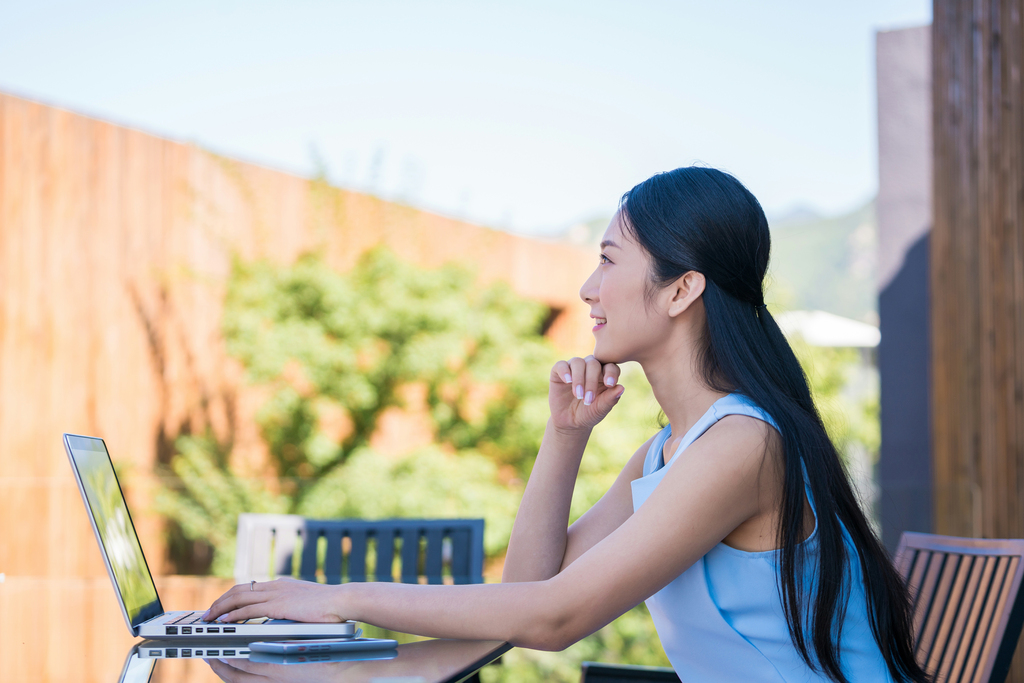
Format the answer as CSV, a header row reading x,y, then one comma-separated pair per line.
x,y
705,220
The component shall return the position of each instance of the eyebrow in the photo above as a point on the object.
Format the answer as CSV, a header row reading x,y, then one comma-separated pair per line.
x,y
609,243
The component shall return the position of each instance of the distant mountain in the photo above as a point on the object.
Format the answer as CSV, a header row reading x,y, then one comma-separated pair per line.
x,y
826,263
796,214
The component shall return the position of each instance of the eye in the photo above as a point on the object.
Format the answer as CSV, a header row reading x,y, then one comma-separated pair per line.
x,y
604,259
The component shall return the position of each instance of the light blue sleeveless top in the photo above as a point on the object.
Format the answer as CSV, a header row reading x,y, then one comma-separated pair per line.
x,y
722,619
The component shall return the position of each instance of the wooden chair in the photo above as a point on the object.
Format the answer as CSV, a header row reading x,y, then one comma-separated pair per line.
x,y
968,606
968,610
338,549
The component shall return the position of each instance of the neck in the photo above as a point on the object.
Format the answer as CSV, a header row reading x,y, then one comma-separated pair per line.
x,y
677,382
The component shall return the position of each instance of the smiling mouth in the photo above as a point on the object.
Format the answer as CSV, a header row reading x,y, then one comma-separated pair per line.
x,y
600,321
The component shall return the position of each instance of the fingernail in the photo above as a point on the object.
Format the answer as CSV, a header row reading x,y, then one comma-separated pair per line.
x,y
567,377
206,615
589,397
579,391
610,381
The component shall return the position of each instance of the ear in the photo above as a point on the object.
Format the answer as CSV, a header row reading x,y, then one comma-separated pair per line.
x,y
684,291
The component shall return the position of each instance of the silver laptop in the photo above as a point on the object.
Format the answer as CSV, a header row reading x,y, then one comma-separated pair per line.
x,y
133,584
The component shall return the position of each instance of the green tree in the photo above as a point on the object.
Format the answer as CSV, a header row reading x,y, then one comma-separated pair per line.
x,y
334,351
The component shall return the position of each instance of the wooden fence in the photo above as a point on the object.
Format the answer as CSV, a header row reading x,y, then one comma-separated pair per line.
x,y
72,630
114,250
977,271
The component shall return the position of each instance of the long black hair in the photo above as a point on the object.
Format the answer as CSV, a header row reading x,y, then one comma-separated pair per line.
x,y
704,220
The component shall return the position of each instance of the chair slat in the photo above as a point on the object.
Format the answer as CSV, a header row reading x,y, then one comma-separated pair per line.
x,y
385,554
955,618
432,562
998,597
916,585
981,576
904,560
357,556
986,605
307,563
285,540
262,540
332,556
460,555
936,588
410,554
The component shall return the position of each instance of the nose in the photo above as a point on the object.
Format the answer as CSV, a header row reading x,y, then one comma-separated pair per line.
x,y
588,292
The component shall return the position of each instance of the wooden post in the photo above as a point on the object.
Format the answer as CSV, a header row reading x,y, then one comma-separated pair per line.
x,y
977,271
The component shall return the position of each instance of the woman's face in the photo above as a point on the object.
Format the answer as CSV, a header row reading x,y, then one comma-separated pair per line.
x,y
626,326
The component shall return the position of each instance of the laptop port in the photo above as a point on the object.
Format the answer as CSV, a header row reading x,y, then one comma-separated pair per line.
x,y
199,653
199,629
229,629
154,653
229,653
186,652
186,630
171,630
171,652
213,653
213,629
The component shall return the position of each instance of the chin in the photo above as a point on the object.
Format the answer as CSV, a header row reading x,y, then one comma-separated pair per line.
x,y
603,355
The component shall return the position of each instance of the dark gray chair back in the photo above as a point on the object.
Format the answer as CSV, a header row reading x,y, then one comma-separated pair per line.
x,y
337,550
968,606
596,672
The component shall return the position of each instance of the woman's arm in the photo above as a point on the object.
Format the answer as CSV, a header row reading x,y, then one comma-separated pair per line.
x,y
714,486
538,541
580,393
607,514
541,546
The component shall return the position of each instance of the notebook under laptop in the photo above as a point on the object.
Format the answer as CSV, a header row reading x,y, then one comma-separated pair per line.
x,y
133,584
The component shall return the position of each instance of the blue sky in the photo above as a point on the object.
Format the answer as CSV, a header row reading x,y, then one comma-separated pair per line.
x,y
526,116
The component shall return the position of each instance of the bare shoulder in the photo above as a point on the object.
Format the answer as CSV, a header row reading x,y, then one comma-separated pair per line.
x,y
741,442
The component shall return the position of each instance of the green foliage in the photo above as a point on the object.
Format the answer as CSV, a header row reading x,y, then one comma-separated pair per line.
x,y
846,399
334,351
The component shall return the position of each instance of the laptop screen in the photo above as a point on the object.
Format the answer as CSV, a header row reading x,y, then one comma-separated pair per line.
x,y
118,540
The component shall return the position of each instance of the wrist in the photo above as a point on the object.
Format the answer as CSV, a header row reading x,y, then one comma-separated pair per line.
x,y
345,602
569,435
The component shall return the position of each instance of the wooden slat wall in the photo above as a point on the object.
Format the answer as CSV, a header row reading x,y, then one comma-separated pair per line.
x,y
114,248
977,271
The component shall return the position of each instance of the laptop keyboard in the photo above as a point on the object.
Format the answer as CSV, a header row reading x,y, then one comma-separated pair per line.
x,y
190,618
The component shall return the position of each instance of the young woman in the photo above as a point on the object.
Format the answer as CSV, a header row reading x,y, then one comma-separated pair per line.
x,y
736,523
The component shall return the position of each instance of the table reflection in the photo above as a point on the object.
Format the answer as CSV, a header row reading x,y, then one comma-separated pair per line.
x,y
429,661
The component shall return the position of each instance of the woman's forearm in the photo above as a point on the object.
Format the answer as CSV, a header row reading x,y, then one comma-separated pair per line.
x,y
538,541
524,614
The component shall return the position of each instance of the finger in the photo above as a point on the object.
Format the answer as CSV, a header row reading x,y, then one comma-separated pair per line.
x,y
228,595
607,399
561,372
243,612
228,603
579,371
610,374
593,380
